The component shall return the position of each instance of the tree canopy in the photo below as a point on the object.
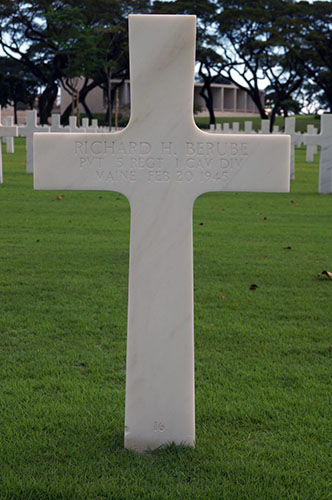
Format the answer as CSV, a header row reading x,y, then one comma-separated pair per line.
x,y
282,45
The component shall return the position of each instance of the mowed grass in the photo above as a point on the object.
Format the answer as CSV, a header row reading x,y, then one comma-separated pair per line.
x,y
262,357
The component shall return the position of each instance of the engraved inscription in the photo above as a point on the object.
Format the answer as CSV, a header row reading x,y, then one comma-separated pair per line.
x,y
158,427
118,161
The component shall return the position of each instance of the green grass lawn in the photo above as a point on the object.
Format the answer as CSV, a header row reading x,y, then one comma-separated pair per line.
x,y
262,357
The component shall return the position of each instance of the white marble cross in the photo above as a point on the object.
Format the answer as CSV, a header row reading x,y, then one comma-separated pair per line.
x,y
5,131
94,128
226,128
311,149
324,140
73,125
296,140
265,127
27,131
56,124
235,128
85,124
248,128
161,162
8,123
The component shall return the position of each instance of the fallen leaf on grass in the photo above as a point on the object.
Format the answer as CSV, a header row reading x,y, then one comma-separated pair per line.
x,y
59,197
253,287
327,273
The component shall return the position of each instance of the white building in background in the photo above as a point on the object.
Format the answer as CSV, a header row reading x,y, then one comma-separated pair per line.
x,y
227,99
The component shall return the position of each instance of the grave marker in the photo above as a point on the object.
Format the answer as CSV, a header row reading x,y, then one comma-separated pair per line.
x,y
73,125
5,131
94,128
27,131
296,140
311,149
226,128
56,124
161,162
8,121
85,124
265,127
236,128
324,140
248,128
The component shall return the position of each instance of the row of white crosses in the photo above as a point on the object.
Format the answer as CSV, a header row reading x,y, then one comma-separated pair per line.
x,y
31,127
8,121
161,162
5,131
311,140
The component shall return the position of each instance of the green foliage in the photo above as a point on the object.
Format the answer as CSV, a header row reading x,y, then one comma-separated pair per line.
x,y
75,42
263,363
16,84
312,47
59,40
247,42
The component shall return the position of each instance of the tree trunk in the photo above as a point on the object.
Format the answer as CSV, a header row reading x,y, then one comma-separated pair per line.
x,y
273,115
86,108
109,98
83,93
207,95
255,96
15,113
46,102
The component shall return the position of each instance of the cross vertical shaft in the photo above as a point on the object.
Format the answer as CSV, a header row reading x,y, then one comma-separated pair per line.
x,y
160,343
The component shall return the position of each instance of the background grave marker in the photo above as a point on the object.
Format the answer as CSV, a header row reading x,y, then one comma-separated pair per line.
x,y
56,124
324,140
27,131
5,131
311,149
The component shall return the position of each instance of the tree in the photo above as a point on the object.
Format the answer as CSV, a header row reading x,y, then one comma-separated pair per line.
x,y
16,85
312,45
56,40
210,68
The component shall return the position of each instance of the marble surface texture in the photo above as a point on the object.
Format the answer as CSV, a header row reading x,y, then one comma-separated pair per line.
x,y
161,162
